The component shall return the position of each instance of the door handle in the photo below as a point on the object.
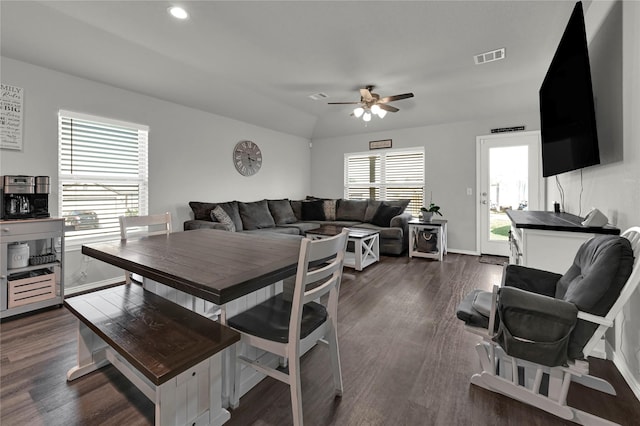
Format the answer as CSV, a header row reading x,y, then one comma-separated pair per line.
x,y
483,202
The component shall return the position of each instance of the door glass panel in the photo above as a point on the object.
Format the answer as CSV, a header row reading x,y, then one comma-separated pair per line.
x,y
508,187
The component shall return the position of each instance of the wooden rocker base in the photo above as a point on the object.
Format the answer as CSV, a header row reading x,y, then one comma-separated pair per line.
x,y
530,395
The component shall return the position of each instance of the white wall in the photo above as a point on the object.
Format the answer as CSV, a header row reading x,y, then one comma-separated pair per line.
x,y
450,166
614,188
189,150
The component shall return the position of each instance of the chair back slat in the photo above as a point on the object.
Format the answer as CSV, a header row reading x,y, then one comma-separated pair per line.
x,y
331,252
158,220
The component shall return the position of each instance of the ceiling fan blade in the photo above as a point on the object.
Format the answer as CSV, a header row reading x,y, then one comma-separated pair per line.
x,y
388,108
396,97
343,103
366,95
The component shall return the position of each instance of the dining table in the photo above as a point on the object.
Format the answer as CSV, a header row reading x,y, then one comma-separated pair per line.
x,y
232,270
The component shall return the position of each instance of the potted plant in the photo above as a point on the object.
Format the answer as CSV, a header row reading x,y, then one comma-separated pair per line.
x,y
428,212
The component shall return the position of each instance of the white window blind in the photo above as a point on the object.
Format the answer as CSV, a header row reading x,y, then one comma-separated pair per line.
x,y
386,175
103,174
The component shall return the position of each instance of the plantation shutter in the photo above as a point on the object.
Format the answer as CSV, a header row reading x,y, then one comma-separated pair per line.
x,y
103,174
388,175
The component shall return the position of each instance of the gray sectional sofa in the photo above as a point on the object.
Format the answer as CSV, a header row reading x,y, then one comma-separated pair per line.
x,y
295,217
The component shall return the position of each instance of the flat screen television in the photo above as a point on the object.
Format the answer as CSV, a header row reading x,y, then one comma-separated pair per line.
x,y
567,112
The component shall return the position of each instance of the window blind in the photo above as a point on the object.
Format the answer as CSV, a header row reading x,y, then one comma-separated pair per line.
x,y
103,174
386,175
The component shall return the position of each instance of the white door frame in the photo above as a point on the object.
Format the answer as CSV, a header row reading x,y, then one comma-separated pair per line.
x,y
536,188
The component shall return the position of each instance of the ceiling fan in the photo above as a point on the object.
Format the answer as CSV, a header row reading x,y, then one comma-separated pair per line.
x,y
371,103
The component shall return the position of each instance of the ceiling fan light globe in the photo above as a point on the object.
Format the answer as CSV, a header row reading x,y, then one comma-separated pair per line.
x,y
366,116
382,113
375,109
358,111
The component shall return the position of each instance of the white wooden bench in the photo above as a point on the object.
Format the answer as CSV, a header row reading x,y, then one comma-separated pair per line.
x,y
168,352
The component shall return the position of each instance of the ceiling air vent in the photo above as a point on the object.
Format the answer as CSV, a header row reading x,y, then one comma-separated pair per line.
x,y
494,55
318,96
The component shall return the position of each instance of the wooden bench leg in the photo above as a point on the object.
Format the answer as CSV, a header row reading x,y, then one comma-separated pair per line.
x,y
91,353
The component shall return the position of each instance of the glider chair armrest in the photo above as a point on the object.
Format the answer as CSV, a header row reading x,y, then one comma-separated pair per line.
x,y
595,319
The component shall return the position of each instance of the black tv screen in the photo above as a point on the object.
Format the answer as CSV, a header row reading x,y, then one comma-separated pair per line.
x,y
567,113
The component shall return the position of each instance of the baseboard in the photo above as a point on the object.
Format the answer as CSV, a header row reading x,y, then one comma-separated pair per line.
x,y
633,383
468,252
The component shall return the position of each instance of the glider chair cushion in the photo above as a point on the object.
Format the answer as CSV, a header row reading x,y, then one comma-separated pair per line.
x,y
593,283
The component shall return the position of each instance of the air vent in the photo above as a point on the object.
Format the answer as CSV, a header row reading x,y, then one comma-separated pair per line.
x,y
494,55
318,96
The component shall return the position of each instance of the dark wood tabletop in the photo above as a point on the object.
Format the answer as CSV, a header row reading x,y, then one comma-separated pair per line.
x,y
218,266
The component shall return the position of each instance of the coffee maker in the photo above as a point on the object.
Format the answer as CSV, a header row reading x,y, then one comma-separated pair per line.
x,y
25,197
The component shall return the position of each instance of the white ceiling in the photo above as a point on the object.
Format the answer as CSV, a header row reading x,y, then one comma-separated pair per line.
x,y
258,61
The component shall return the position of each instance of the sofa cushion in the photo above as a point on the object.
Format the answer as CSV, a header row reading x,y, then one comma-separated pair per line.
x,y
313,210
201,211
281,211
221,216
351,210
385,233
256,215
302,227
385,213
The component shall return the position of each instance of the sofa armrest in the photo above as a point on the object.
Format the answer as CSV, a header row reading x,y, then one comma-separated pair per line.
x,y
203,224
401,221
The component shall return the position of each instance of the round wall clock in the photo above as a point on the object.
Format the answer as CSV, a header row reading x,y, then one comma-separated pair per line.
x,y
247,158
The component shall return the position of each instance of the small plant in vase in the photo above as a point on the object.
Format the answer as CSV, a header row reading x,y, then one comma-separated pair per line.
x,y
428,212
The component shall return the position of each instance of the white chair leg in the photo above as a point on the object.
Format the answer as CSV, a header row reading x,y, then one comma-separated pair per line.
x,y
334,352
296,391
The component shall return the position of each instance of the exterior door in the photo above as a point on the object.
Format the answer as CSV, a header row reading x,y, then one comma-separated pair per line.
x,y
508,167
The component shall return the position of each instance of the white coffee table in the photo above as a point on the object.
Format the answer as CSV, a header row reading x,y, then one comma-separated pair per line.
x,y
366,244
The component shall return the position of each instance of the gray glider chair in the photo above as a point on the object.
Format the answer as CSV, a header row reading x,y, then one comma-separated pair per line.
x,y
538,327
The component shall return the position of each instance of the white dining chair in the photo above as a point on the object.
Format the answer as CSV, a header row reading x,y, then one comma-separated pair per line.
x,y
283,327
138,226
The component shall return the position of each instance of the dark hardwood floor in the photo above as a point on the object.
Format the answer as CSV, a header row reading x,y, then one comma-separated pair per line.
x,y
406,360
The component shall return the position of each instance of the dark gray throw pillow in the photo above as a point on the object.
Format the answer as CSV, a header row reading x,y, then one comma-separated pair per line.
x,y
384,214
281,211
313,210
351,210
256,215
201,211
231,208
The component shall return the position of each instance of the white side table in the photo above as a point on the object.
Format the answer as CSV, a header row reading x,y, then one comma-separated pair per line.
x,y
437,227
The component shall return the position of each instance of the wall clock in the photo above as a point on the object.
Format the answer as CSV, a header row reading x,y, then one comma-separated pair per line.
x,y
247,158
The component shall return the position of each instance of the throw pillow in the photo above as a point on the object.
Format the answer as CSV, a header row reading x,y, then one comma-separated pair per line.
x,y
384,214
201,211
281,211
329,207
313,210
221,216
353,210
256,215
372,208
231,207
296,206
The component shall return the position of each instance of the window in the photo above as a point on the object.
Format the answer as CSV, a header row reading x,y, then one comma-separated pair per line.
x,y
386,175
103,174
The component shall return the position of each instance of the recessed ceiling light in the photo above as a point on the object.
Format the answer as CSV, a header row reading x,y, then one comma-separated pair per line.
x,y
178,12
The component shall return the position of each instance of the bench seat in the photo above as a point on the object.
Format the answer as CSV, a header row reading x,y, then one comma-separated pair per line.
x,y
158,345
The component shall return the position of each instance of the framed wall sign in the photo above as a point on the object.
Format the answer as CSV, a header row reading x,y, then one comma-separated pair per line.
x,y
385,143
12,101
